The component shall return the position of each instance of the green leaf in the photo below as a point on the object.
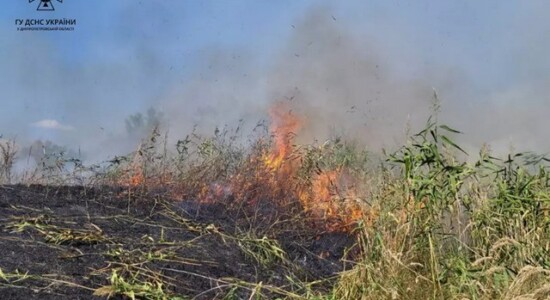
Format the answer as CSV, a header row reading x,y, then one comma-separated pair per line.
x,y
434,135
448,141
445,127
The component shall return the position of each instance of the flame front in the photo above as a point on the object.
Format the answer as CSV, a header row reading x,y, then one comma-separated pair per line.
x,y
331,200
275,176
325,197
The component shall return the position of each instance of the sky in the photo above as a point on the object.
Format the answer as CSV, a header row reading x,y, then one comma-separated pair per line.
x,y
364,69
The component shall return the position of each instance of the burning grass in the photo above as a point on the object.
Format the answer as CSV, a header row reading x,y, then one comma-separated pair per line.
x,y
313,221
274,174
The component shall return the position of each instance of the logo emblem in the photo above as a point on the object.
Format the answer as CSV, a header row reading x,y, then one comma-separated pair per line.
x,y
45,5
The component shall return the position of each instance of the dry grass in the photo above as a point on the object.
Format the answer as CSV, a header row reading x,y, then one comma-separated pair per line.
x,y
8,155
431,226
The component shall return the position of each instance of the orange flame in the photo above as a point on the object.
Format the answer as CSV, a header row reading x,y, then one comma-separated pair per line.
x,y
284,126
329,196
332,201
135,173
326,198
137,178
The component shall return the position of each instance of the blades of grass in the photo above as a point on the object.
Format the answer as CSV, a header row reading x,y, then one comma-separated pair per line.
x,y
448,141
449,129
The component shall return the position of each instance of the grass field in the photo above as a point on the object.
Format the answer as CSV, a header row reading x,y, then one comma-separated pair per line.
x,y
213,218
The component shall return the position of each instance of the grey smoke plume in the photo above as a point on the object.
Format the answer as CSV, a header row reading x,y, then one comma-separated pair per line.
x,y
340,79
337,84
344,86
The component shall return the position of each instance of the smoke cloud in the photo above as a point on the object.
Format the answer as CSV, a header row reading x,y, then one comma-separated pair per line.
x,y
340,80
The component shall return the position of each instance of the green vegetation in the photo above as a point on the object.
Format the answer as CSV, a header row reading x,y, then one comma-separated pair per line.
x,y
453,230
433,225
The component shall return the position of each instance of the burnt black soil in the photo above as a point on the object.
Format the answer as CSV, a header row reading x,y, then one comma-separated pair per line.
x,y
66,242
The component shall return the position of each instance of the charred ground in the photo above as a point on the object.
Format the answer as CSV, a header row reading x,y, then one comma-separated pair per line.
x,y
91,243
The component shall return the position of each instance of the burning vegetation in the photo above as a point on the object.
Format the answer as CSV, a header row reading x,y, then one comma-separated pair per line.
x,y
275,171
279,219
